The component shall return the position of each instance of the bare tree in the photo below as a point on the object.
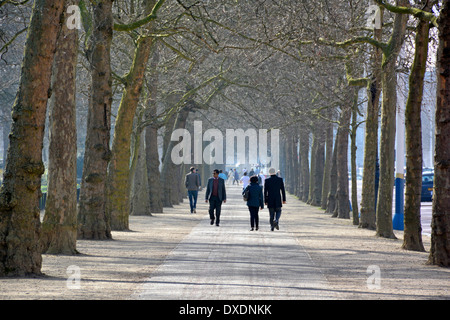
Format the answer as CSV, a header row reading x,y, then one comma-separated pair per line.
x,y
440,251
20,253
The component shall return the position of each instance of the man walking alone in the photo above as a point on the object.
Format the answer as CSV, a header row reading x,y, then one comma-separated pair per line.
x,y
192,183
272,197
215,194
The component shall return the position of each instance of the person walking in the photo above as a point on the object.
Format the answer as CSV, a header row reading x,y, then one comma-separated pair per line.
x,y
230,177
236,177
222,175
200,179
192,183
262,178
245,180
255,201
215,195
272,197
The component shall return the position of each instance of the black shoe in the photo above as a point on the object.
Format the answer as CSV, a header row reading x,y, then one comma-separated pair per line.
x,y
257,228
252,229
277,226
217,224
212,221
271,229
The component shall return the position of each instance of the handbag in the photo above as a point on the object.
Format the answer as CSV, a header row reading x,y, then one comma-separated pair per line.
x,y
246,193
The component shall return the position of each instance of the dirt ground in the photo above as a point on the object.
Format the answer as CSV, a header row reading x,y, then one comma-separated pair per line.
x,y
114,269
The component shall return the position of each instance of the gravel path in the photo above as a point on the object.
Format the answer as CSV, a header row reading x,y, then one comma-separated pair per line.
x,y
316,257
232,263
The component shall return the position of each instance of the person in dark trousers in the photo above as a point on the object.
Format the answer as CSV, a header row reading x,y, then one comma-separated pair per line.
x,y
255,201
273,190
192,183
215,195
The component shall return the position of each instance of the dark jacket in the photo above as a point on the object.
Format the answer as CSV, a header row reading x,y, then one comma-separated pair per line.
x,y
272,188
192,181
255,196
221,190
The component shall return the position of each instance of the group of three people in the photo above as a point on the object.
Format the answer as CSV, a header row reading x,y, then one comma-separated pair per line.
x,y
274,196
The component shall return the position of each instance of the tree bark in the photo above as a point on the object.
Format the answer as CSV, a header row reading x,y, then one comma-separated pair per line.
x,y
169,196
354,196
20,226
368,193
342,209
328,163
319,168
118,196
94,223
289,167
412,239
388,118
151,140
304,164
440,224
59,228
139,195
331,199
312,167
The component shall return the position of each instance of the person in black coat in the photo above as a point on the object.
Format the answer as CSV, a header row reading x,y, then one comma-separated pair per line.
x,y
255,201
273,191
215,195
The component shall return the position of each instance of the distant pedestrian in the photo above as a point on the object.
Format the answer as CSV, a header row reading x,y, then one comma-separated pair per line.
x,y
215,195
262,178
273,190
192,183
245,180
222,175
236,177
230,177
255,202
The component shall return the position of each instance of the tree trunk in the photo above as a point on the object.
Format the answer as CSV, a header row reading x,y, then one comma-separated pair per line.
x,y
328,164
295,168
331,199
304,164
152,157
412,239
151,138
168,168
319,168
388,118
118,199
288,154
368,192
94,223
342,209
20,226
440,224
59,228
312,167
354,196
139,195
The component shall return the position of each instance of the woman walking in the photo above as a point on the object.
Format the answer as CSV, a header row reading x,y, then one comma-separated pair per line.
x,y
255,201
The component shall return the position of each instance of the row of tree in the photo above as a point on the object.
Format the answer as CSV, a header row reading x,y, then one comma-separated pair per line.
x,y
328,187
154,66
